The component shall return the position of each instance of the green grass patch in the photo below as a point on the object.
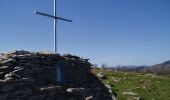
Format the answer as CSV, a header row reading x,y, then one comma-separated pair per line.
x,y
144,86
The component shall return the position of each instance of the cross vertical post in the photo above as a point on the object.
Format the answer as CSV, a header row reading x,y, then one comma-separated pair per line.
x,y
55,27
55,18
61,69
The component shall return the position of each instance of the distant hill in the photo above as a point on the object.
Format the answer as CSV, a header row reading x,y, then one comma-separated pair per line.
x,y
163,68
160,69
137,68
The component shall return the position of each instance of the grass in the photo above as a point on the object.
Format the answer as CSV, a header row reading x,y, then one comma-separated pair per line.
x,y
145,86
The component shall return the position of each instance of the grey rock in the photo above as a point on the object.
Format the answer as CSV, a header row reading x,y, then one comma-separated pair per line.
x,y
8,79
15,75
46,52
27,80
17,70
129,93
76,90
51,88
113,97
15,52
4,68
9,61
8,75
89,98
2,73
100,75
1,81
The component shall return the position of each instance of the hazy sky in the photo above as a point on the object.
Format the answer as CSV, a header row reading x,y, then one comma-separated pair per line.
x,y
126,32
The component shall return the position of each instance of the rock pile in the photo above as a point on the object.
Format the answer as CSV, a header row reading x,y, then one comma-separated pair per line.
x,y
31,76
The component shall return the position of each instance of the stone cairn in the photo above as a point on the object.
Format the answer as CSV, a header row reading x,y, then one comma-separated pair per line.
x,y
31,76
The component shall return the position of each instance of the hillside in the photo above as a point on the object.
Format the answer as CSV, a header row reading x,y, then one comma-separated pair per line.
x,y
159,69
32,76
135,86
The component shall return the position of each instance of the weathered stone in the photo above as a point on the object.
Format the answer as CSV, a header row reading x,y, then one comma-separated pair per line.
x,y
76,90
4,68
2,73
33,77
18,70
129,93
15,52
15,75
9,79
9,61
8,75
52,88
1,81
46,52
89,98
100,75
113,97
27,80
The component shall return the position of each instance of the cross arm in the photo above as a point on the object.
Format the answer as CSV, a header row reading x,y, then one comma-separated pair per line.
x,y
47,15
60,18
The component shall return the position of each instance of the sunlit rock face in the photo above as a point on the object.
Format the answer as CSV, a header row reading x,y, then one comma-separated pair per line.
x,y
32,76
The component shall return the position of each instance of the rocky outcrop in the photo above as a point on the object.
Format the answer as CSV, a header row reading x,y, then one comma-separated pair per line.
x,y
31,76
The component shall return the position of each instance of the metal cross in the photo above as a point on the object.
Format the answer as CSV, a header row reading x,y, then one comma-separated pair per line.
x,y
55,23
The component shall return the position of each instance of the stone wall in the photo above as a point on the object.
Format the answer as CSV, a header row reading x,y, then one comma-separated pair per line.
x,y
31,76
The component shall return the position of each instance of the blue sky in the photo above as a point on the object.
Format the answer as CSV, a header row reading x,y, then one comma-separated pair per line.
x,y
126,32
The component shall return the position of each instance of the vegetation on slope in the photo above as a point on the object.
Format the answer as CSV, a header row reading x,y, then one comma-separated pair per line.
x,y
136,86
